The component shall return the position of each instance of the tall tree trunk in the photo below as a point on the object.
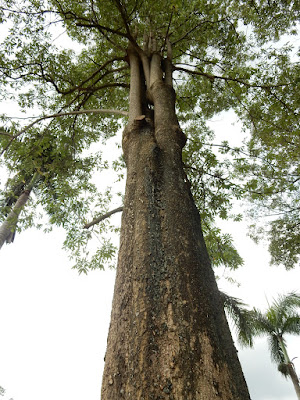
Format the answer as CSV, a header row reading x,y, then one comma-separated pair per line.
x,y
168,337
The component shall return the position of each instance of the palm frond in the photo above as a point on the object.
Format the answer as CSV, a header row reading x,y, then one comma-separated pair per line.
x,y
241,318
285,305
275,349
262,324
273,316
292,325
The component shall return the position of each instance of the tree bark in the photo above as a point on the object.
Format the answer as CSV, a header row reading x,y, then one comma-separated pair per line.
x,y
294,379
290,367
8,227
168,336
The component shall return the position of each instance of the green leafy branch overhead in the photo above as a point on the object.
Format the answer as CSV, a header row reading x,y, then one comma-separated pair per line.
x,y
66,65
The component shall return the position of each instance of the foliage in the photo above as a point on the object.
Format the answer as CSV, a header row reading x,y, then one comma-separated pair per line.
x,y
281,318
240,316
64,57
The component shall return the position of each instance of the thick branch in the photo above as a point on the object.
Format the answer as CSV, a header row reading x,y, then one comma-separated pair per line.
x,y
168,63
135,94
155,69
123,13
102,217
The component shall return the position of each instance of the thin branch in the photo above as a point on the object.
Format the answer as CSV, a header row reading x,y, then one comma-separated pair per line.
x,y
60,114
194,28
6,134
123,13
227,78
26,12
187,33
167,33
102,217
86,21
80,86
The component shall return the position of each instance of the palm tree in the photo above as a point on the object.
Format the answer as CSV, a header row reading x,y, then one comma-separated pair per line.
x,y
281,318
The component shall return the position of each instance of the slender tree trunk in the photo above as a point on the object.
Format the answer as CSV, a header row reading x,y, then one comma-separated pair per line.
x,y
8,227
290,367
168,337
294,378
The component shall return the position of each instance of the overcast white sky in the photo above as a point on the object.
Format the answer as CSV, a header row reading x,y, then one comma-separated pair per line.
x,y
54,322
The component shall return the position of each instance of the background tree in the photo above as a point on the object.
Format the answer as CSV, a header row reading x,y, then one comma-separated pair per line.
x,y
280,319
215,64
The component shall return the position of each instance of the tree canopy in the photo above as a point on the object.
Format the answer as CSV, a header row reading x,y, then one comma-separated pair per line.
x,y
66,66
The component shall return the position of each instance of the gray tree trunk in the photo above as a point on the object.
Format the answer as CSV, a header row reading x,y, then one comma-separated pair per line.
x,y
294,379
290,367
9,226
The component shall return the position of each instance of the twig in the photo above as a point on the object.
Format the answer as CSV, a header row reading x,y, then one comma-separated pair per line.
x,y
60,114
227,78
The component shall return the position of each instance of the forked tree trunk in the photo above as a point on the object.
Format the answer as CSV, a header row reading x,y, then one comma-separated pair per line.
x,y
168,337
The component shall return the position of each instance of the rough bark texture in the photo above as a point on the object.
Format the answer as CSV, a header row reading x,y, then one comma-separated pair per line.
x,y
168,337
